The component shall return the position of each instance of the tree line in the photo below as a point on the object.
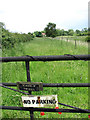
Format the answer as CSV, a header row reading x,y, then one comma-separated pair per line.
x,y
9,39
51,31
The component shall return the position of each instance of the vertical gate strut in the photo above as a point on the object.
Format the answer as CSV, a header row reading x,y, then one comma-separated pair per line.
x,y
29,80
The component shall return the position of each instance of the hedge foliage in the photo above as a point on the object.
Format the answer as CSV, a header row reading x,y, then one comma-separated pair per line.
x,y
9,39
87,39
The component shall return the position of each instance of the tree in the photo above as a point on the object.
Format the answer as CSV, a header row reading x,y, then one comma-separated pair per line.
x,y
58,32
2,25
29,33
38,34
85,29
65,33
62,32
89,31
71,32
50,30
78,32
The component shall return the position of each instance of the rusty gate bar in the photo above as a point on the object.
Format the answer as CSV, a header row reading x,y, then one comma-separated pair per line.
x,y
29,80
56,84
46,58
28,72
44,109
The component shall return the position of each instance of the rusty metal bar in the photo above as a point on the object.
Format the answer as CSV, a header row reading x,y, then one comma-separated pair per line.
x,y
13,89
28,72
29,80
72,107
66,84
46,58
56,84
45,109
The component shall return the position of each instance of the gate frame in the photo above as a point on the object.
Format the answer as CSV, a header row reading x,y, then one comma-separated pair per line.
x,y
27,59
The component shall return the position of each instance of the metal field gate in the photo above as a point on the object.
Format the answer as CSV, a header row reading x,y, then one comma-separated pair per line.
x,y
38,86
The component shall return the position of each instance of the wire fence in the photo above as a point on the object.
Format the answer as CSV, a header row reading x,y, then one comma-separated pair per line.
x,y
27,59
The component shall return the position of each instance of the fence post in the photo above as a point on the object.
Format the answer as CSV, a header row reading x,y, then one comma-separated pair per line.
x,y
75,43
29,80
61,40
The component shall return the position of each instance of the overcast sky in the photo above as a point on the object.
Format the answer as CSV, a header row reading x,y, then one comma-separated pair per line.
x,y
33,15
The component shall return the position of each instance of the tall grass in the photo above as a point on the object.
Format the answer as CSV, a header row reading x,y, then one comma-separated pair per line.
x,y
77,38
46,72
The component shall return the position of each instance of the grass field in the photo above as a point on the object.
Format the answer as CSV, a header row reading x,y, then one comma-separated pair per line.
x,y
77,38
47,72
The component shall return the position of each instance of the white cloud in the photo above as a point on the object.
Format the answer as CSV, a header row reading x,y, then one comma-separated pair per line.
x,y
32,15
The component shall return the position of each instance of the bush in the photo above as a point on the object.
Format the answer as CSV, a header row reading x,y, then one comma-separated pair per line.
x,y
87,39
9,39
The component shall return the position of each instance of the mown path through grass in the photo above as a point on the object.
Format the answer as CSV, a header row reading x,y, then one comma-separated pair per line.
x,y
46,72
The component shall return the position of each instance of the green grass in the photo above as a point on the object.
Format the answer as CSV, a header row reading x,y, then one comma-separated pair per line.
x,y
77,38
47,72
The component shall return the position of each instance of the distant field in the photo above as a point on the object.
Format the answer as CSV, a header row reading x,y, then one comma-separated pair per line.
x,y
77,41
77,38
46,72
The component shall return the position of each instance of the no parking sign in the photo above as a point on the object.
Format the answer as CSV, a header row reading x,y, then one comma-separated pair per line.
x,y
40,101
